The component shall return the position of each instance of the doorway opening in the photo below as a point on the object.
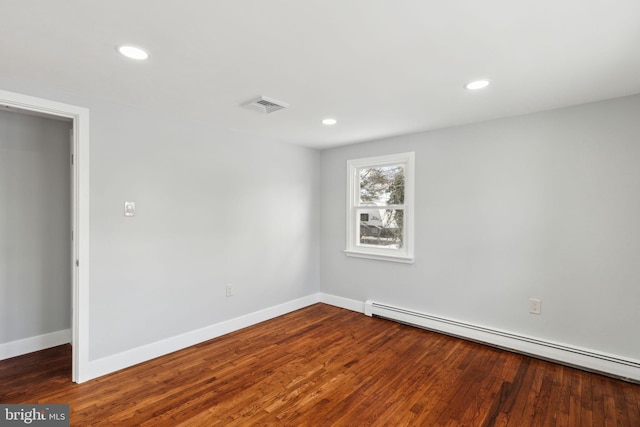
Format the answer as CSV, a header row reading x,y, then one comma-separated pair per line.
x,y
79,195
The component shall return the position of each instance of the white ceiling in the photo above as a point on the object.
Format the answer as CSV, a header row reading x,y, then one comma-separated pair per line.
x,y
380,67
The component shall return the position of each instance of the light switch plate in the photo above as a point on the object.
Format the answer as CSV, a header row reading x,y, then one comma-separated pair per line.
x,y
129,208
534,306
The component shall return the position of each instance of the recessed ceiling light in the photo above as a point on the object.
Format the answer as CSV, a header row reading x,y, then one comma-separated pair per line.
x,y
478,84
329,122
133,52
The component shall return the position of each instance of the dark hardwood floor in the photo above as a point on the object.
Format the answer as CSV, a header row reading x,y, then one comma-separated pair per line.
x,y
323,366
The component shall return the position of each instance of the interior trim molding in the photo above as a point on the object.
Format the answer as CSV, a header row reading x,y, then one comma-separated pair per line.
x,y
80,215
116,362
342,302
587,359
31,344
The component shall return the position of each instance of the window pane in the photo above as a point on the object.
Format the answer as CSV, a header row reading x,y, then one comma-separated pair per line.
x,y
380,208
382,228
383,185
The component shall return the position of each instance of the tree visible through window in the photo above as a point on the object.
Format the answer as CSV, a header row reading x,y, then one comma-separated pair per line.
x,y
381,187
379,208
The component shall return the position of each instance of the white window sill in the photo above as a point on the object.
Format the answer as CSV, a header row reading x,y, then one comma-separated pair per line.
x,y
380,257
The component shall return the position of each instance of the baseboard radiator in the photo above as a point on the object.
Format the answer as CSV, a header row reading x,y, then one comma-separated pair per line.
x,y
607,364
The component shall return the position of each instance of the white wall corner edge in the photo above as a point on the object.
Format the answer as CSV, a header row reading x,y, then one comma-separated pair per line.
x,y
582,358
106,365
37,343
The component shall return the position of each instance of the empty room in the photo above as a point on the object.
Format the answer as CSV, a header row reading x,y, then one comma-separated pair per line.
x,y
356,213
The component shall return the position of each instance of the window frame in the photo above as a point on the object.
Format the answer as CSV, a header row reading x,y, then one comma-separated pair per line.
x,y
353,205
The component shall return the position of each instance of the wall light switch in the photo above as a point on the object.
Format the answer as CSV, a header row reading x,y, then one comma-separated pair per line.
x,y
129,208
534,306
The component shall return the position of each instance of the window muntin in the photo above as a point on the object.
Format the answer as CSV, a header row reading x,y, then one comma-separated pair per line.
x,y
379,209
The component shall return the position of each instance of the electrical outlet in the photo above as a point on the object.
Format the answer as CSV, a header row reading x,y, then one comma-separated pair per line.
x,y
229,289
534,306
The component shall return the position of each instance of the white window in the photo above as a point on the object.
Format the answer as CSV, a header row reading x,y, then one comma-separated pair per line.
x,y
380,208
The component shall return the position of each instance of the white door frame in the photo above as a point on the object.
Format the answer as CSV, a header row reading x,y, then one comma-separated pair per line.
x,y
80,218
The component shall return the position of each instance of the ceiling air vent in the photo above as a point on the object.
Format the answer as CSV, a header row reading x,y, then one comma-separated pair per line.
x,y
266,105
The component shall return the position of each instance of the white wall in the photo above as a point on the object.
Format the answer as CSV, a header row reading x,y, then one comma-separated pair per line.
x,y
213,207
545,206
35,227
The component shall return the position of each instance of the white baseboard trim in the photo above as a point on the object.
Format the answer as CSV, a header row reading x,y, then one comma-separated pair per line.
x,y
37,343
116,362
588,359
341,302
579,357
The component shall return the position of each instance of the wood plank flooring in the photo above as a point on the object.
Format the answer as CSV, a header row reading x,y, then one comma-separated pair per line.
x,y
325,366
